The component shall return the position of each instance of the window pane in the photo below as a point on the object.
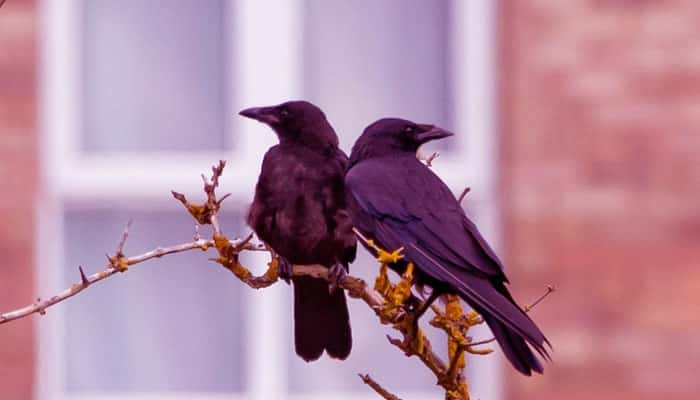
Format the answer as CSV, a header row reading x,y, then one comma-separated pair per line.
x,y
154,75
171,324
368,59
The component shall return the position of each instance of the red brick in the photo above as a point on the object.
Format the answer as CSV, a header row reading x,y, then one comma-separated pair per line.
x,y
19,176
600,181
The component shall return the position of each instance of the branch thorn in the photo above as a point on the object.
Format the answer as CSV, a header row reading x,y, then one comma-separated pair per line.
x,y
41,310
125,235
224,197
179,196
464,194
429,160
83,279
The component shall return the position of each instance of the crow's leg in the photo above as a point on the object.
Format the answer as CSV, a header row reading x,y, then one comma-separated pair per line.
x,y
413,333
335,275
285,269
420,311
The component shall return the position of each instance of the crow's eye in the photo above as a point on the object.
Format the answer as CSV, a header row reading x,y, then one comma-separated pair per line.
x,y
284,113
408,129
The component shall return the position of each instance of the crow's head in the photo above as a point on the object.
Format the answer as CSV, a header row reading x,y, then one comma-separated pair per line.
x,y
296,122
394,136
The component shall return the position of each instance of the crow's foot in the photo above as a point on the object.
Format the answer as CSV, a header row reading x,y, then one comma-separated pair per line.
x,y
285,269
335,275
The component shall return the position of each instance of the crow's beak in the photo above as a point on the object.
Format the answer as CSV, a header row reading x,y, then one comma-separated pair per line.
x,y
266,115
431,132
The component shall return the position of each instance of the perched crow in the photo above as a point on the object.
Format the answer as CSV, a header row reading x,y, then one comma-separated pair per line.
x,y
300,211
399,202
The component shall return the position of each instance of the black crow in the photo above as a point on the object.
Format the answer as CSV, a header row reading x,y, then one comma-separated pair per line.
x,y
300,211
399,202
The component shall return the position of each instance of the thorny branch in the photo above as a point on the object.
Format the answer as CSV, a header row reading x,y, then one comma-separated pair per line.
x,y
391,302
117,263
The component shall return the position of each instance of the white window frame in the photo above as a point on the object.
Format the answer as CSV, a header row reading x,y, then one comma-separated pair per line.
x,y
268,68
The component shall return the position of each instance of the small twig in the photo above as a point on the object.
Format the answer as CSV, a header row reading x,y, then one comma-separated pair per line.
x,y
221,200
429,161
210,189
464,194
125,235
377,387
550,290
480,342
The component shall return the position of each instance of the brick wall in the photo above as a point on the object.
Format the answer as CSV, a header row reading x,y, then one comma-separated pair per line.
x,y
600,136
18,177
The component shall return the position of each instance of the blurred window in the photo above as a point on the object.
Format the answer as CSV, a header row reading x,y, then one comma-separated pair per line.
x,y
141,97
171,324
154,75
369,59
153,92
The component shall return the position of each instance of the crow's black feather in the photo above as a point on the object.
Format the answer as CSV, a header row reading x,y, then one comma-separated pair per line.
x,y
399,202
300,211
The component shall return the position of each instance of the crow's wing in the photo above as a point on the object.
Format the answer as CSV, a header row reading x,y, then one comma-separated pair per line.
x,y
401,203
419,209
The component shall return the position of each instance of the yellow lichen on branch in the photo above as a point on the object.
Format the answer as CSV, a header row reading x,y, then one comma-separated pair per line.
x,y
455,325
388,301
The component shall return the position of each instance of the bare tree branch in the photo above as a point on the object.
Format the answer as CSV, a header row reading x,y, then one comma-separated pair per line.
x,y
550,289
392,303
121,264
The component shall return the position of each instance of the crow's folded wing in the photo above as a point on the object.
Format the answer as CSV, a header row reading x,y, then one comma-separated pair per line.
x,y
407,206
419,210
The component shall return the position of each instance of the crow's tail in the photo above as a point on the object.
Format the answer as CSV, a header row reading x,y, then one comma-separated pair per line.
x,y
514,347
321,320
511,326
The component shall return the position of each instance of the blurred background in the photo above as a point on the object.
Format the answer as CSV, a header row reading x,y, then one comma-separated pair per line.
x,y
577,132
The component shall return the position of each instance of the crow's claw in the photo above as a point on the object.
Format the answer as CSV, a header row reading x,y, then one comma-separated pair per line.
x,y
284,269
335,275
